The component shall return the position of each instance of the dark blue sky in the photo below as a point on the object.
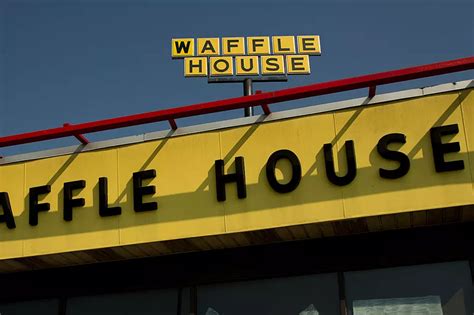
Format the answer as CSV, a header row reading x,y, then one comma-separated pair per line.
x,y
77,61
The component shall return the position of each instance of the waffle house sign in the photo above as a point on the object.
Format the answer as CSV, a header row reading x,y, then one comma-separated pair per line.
x,y
246,56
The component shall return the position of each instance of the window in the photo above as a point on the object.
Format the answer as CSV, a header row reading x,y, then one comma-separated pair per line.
x,y
305,295
444,288
38,307
137,303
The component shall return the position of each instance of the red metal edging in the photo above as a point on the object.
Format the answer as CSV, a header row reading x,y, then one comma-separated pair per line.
x,y
366,81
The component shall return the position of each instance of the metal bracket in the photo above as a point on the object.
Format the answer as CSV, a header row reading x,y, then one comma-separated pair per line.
x,y
78,136
372,91
265,107
173,124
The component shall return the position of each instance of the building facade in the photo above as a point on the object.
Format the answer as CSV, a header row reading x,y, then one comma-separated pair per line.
x,y
364,206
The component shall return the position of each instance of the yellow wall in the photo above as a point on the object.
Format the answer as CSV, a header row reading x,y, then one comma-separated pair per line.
x,y
185,182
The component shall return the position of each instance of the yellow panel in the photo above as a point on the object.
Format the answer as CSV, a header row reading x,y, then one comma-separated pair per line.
x,y
258,45
246,65
298,64
12,181
233,46
182,47
208,47
467,107
309,45
283,45
313,200
87,229
422,187
186,187
273,65
221,66
185,190
195,67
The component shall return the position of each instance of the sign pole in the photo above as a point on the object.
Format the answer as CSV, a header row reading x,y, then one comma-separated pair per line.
x,y
248,111
248,85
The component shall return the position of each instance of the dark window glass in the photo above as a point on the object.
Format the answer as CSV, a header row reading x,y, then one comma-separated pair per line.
x,y
306,295
444,288
137,303
39,307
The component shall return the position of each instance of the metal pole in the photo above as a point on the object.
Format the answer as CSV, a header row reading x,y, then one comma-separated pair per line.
x,y
248,111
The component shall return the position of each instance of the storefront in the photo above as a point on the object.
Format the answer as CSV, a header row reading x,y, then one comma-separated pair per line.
x,y
364,206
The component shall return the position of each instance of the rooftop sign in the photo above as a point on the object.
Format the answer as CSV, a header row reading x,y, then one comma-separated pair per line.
x,y
246,56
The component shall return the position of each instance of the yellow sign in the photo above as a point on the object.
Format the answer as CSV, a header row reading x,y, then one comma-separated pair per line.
x,y
208,47
233,46
273,65
309,45
246,65
284,44
182,47
259,45
222,66
356,162
195,67
252,56
297,64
